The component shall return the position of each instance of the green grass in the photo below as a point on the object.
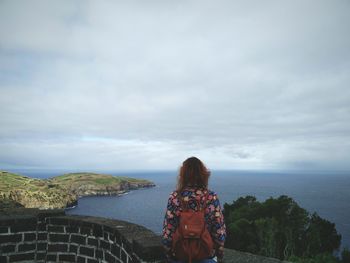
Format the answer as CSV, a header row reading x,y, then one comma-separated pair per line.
x,y
106,181
54,192
11,181
100,179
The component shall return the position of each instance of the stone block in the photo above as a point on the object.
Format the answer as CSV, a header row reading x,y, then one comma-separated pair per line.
x,y
57,247
40,256
26,247
7,220
127,246
58,221
50,213
92,242
8,249
42,227
78,239
99,253
66,257
23,228
108,229
51,257
4,229
87,251
97,231
73,248
22,257
29,236
105,245
26,220
115,249
41,246
85,231
42,236
110,258
72,229
59,238
75,223
57,229
85,223
117,238
81,259
111,237
11,238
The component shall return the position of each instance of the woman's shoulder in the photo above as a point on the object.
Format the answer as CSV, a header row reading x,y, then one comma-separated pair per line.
x,y
211,192
192,190
212,196
173,194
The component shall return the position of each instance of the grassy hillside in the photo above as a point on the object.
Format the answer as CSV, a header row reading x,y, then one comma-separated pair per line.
x,y
99,179
11,181
30,192
83,184
61,191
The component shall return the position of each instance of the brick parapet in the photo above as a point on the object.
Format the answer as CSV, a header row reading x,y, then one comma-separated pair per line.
x,y
52,236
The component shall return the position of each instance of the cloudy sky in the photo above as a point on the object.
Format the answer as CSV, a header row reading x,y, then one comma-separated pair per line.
x,y
129,85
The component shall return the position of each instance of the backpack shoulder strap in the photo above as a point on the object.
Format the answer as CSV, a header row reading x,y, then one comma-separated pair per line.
x,y
183,204
206,193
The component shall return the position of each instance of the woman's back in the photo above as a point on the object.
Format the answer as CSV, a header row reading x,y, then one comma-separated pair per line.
x,y
193,194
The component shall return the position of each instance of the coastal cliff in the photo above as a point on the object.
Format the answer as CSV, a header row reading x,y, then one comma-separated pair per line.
x,y
61,191
91,184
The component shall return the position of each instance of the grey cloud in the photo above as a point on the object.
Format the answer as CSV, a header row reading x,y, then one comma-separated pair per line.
x,y
252,86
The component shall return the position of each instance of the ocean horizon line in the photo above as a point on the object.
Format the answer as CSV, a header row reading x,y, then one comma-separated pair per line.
x,y
60,171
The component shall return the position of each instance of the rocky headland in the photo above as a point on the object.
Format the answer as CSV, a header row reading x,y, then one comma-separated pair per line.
x,y
61,191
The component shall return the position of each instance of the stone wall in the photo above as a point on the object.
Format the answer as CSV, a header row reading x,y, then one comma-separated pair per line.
x,y
52,236
31,235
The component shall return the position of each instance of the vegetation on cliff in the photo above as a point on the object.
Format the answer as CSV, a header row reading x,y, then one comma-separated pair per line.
x,y
83,184
280,228
61,191
17,190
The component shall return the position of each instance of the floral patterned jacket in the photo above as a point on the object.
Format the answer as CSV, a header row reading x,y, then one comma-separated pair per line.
x,y
213,216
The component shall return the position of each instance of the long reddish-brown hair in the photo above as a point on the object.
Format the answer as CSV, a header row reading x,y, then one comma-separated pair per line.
x,y
193,173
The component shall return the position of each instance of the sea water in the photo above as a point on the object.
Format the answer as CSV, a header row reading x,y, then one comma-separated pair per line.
x,y
325,193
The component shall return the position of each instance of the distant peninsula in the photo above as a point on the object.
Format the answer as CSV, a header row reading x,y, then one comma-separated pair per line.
x,y
61,191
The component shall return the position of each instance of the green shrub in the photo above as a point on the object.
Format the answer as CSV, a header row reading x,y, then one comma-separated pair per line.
x,y
280,228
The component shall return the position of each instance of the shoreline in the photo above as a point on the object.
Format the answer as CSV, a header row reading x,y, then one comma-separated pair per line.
x,y
122,193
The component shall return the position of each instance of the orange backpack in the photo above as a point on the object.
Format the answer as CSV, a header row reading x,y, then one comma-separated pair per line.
x,y
192,240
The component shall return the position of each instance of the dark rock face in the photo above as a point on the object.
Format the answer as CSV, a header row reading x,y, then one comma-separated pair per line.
x,y
101,190
59,198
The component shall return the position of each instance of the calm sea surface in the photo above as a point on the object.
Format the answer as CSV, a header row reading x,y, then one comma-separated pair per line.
x,y
326,194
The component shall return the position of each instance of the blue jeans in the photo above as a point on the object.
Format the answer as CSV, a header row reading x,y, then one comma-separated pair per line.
x,y
208,260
